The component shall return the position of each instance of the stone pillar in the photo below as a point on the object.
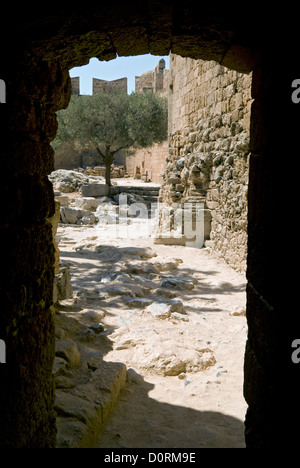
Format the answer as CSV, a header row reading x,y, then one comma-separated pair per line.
x,y
271,378
28,123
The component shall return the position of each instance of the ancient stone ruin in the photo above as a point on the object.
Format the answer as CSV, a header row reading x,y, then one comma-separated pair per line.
x,y
208,159
155,81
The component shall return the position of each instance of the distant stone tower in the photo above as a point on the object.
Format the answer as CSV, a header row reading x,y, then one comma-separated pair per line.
x,y
154,81
75,85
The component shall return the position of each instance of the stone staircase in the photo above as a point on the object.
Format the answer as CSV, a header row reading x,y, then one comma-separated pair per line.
x,y
149,194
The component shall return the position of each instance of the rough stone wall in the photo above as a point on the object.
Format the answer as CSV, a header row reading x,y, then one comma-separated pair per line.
x,y
68,157
44,47
28,259
209,118
270,384
150,160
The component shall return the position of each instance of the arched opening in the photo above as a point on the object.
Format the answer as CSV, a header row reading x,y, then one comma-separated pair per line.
x,y
37,85
159,306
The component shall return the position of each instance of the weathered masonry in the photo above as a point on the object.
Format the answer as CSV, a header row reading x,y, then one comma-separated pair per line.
x,y
103,85
155,81
40,48
75,84
208,160
100,85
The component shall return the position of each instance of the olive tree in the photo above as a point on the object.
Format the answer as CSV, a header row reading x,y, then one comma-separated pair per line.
x,y
111,121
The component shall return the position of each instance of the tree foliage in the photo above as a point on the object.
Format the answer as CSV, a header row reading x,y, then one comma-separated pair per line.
x,y
111,121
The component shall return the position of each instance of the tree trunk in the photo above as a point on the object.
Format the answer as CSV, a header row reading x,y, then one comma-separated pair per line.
x,y
108,173
109,157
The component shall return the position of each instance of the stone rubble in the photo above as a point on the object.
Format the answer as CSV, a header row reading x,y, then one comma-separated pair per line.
x,y
208,157
87,200
124,298
134,302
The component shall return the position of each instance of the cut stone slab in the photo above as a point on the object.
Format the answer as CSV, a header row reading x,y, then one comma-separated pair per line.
x,y
95,190
68,350
86,203
63,200
83,411
70,215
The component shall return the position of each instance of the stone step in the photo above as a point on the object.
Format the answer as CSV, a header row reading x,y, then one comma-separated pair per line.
x,y
82,413
144,192
150,199
149,194
145,189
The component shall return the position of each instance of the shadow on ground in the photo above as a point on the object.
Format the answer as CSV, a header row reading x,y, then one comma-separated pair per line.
x,y
139,421
89,267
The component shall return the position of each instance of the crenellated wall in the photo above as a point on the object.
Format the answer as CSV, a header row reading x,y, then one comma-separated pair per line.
x,y
114,85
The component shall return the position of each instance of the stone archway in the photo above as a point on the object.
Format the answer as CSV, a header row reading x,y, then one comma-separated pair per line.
x,y
44,46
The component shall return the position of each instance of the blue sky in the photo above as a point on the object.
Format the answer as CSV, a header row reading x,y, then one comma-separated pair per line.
x,y
114,69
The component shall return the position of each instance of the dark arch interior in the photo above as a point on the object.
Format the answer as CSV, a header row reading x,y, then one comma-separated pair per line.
x,y
41,46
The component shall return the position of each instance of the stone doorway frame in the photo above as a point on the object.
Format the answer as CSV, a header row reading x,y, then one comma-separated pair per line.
x,y
37,85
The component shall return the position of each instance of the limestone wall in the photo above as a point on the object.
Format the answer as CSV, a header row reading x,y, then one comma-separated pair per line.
x,y
69,157
150,161
209,119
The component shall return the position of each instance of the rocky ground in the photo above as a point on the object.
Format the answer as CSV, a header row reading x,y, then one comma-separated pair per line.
x,y
150,347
